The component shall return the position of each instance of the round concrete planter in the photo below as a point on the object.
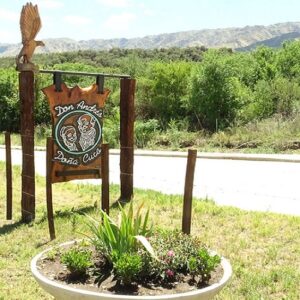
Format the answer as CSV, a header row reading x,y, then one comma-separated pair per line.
x,y
64,292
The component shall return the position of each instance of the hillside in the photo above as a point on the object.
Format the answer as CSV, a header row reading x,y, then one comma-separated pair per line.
x,y
244,38
274,42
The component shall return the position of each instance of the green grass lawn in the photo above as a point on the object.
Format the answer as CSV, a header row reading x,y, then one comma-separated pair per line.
x,y
264,248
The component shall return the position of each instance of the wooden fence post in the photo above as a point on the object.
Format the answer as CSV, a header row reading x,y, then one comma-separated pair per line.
x,y
127,137
188,191
8,176
26,91
105,178
49,155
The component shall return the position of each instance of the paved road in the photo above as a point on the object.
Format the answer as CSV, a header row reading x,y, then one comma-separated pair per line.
x,y
248,184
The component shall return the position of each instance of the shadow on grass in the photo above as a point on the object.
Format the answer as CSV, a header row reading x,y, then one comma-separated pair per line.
x,y
118,202
68,213
8,228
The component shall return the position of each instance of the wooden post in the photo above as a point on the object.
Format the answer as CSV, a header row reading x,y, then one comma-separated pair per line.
x,y
188,191
49,155
26,91
105,178
127,137
8,176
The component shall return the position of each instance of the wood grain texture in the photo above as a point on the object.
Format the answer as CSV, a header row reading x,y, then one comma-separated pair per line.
x,y
30,24
26,91
127,116
73,96
49,202
8,176
105,178
188,191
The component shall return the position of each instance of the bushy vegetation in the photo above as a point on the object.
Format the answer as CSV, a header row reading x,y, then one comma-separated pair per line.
x,y
135,254
193,89
77,260
112,239
181,253
9,103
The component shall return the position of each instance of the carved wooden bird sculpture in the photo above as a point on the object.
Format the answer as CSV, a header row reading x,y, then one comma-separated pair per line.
x,y
30,23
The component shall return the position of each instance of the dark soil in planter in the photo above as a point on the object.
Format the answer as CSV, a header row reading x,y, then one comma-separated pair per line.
x,y
54,270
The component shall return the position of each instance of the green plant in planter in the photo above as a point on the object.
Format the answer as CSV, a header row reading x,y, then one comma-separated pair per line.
x,y
128,268
203,264
134,253
206,263
113,240
53,253
77,260
179,254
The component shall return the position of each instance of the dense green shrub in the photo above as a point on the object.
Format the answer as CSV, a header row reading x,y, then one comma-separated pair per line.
x,y
145,131
41,107
212,98
111,128
279,96
262,105
162,94
204,89
9,101
179,253
288,60
77,260
128,267
286,96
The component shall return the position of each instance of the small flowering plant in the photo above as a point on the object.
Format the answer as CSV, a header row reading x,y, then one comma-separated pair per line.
x,y
135,253
175,252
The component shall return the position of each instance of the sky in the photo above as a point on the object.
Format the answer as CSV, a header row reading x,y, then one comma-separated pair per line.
x,y
106,19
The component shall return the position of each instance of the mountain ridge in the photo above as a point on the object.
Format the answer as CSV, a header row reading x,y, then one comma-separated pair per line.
x,y
238,38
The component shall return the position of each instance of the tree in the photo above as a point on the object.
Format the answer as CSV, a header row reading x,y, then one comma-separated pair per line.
x,y
266,61
288,60
9,101
212,98
161,94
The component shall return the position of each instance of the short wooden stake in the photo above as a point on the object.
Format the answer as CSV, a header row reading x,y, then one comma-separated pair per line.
x,y
127,137
8,176
105,178
188,191
49,155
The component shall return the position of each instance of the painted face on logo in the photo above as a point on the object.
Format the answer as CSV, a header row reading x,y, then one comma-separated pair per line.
x,y
85,123
71,135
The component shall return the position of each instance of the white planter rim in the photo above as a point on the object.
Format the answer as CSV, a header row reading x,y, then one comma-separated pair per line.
x,y
227,272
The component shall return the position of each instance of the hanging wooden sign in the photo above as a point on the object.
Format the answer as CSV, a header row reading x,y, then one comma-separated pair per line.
x,y
77,115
